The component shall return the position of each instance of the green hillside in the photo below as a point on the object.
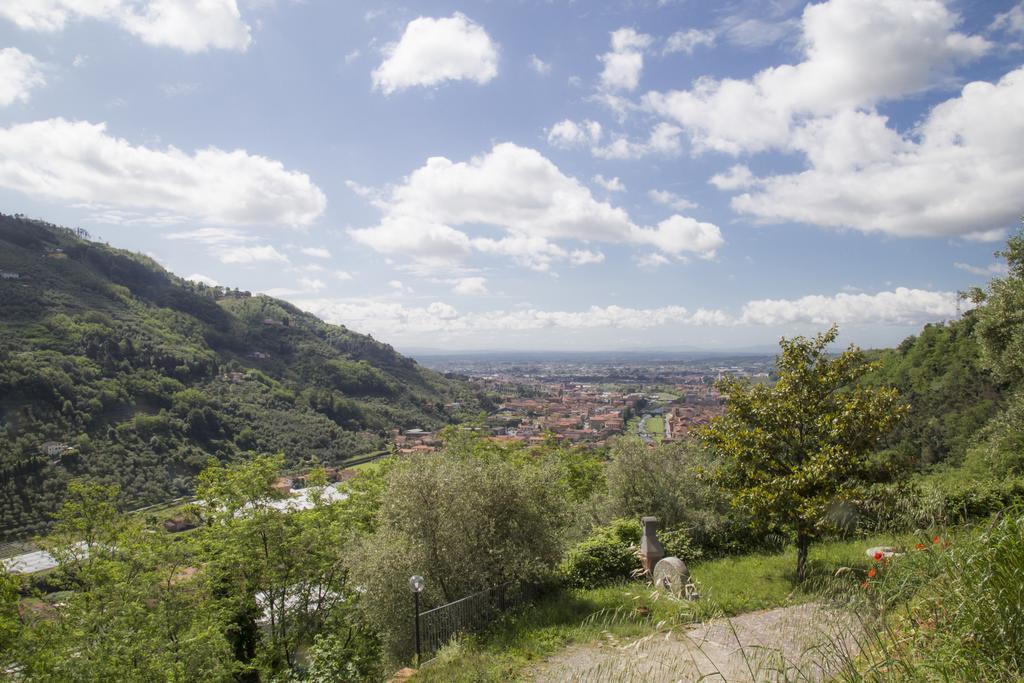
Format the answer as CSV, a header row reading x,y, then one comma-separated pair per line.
x,y
145,376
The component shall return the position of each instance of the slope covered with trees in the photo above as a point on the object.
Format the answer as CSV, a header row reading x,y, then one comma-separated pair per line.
x,y
137,377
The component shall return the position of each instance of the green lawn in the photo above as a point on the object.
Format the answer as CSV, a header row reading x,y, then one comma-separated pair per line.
x,y
656,425
729,586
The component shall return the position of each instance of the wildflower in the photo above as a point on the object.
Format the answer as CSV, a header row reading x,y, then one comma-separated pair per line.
x,y
919,546
879,555
871,574
935,540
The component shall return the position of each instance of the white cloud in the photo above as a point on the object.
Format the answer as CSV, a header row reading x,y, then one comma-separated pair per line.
x,y
991,270
58,159
737,177
539,65
352,56
959,174
689,40
624,64
429,216
470,286
664,139
311,284
204,279
316,252
19,74
432,51
342,275
901,306
388,319
188,25
212,236
255,254
680,234
651,261
609,184
567,134
671,200
585,257
856,53
1011,21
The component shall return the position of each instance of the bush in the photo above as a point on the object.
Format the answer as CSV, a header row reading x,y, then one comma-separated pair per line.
x,y
609,554
467,518
672,483
954,612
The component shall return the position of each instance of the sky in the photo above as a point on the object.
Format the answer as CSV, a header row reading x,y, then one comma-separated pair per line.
x,y
535,175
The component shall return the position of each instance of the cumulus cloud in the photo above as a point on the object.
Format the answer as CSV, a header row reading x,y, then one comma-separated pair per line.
x,y
680,234
689,40
856,53
901,306
539,65
203,279
433,51
567,134
664,139
671,200
186,25
991,270
624,64
737,177
585,257
390,319
1011,21
387,319
65,160
19,74
470,286
959,174
316,252
609,184
429,217
264,253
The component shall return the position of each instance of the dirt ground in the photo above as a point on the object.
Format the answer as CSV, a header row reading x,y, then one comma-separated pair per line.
x,y
801,643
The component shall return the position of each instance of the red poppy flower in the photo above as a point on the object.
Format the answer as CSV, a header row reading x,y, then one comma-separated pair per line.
x,y
935,539
879,556
871,573
919,546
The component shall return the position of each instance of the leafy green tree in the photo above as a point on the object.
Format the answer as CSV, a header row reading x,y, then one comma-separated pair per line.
x,y
139,609
792,451
278,568
467,518
1000,313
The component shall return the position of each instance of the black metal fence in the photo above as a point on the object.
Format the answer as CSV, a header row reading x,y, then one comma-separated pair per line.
x,y
439,625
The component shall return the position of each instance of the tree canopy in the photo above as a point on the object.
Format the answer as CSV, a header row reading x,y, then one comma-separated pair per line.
x,y
791,451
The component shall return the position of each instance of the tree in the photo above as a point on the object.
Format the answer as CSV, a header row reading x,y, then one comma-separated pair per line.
x,y
1000,313
791,451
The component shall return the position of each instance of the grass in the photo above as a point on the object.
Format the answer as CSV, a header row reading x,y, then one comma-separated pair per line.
x,y
729,586
656,425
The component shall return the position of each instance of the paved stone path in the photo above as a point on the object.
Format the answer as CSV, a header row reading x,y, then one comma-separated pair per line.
x,y
801,643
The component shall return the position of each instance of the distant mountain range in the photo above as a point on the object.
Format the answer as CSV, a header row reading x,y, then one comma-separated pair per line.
x,y
112,367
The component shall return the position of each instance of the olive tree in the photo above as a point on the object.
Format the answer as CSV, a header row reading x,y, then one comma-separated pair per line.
x,y
793,450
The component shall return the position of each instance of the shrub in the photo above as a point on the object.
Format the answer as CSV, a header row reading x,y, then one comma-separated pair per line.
x,y
953,610
609,554
466,519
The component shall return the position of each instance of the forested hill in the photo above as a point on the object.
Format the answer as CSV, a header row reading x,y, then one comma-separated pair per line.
x,y
137,377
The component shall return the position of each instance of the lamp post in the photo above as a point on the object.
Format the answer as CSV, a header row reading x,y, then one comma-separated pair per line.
x,y
417,584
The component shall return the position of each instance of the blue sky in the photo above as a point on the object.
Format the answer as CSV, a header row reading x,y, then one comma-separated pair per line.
x,y
534,175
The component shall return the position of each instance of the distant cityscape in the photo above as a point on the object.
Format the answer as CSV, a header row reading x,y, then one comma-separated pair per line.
x,y
589,399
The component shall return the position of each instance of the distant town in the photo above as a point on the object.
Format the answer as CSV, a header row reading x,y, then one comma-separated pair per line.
x,y
588,399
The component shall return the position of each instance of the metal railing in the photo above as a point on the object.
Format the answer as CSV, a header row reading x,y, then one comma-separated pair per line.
x,y
437,626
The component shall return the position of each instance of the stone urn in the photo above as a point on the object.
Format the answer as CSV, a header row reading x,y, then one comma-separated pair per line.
x,y
651,551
